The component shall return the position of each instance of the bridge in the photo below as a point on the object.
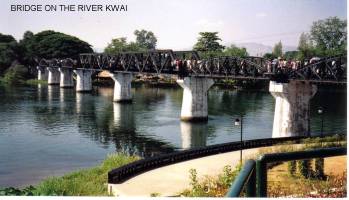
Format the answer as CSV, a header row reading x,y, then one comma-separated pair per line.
x,y
292,86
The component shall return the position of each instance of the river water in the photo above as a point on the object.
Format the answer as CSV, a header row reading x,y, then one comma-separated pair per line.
x,y
48,131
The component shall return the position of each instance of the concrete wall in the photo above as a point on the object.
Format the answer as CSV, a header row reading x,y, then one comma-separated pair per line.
x,y
292,104
194,104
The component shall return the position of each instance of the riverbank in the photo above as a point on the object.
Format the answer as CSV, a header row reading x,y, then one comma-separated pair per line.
x,y
93,181
86,182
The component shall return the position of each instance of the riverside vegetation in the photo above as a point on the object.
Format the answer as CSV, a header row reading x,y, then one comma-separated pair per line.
x,y
93,181
87,182
310,182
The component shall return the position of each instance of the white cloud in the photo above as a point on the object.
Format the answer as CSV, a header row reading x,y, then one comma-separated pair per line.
x,y
210,24
261,15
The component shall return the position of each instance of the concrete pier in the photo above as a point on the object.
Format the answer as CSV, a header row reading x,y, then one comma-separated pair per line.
x,y
42,73
122,87
83,80
194,104
292,108
66,78
53,76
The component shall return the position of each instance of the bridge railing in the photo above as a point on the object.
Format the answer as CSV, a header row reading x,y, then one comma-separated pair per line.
x,y
189,63
254,173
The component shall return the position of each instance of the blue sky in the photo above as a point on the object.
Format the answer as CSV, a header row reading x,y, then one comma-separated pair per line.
x,y
176,23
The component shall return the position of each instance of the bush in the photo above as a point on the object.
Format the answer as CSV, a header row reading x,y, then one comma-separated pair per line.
x,y
292,165
15,74
319,168
211,186
88,182
304,167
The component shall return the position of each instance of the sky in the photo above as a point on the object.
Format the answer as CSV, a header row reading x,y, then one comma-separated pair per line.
x,y
176,23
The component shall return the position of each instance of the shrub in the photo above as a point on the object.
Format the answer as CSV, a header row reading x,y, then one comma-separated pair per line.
x,y
304,167
291,166
15,74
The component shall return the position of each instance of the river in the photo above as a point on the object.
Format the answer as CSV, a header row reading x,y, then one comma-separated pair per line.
x,y
47,131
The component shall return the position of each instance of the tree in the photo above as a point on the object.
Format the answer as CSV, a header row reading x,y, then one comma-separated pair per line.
x,y
26,54
8,51
145,39
51,44
118,45
305,47
277,50
291,55
235,51
269,56
330,36
208,41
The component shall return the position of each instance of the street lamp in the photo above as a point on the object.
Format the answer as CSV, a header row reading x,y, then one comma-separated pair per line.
x,y
320,112
238,122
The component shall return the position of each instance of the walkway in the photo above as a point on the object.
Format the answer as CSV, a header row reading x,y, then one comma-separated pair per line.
x,y
171,180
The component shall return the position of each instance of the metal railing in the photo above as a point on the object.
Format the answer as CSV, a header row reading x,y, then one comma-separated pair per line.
x,y
125,172
254,173
247,177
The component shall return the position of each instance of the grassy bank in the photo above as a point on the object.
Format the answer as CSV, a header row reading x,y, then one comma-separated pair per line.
x,y
218,186
87,182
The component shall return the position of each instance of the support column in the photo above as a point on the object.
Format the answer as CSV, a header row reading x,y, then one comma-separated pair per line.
x,y
194,104
292,108
42,73
53,75
66,78
83,80
122,86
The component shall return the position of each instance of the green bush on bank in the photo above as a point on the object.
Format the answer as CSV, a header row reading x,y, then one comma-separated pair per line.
x,y
15,75
218,186
88,182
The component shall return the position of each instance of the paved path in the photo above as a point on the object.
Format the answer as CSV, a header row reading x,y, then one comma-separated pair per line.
x,y
172,179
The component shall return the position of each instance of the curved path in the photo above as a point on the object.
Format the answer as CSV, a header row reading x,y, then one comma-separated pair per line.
x,y
172,179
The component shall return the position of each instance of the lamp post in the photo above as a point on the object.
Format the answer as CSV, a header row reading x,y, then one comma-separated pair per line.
x,y
238,122
320,112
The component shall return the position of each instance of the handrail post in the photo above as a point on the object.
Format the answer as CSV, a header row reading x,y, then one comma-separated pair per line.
x,y
251,185
261,169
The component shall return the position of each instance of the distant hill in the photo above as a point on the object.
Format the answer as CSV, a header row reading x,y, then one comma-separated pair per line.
x,y
257,49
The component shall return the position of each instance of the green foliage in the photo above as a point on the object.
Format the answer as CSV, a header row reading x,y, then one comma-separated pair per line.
x,y
8,51
6,38
235,51
145,39
51,44
269,56
211,186
319,168
291,55
277,50
118,45
11,191
88,182
15,75
292,167
208,42
330,36
304,167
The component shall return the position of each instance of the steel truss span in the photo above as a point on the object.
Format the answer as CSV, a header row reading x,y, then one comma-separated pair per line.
x,y
330,70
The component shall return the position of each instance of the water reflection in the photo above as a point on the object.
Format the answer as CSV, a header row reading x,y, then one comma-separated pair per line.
x,y
123,116
193,135
56,129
